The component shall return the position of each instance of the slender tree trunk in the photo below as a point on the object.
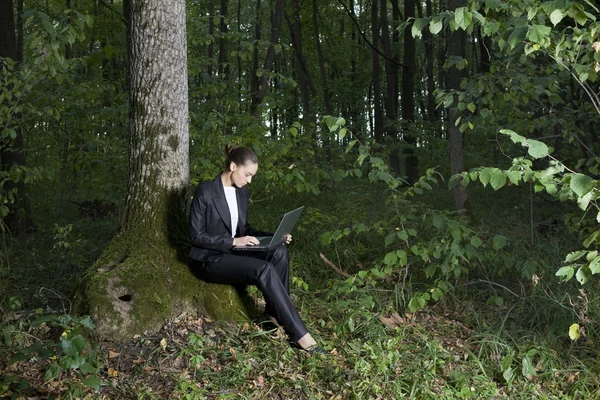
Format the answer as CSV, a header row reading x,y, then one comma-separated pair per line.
x,y
306,86
211,35
263,83
223,68
408,97
429,42
12,152
377,110
257,36
391,98
321,57
456,48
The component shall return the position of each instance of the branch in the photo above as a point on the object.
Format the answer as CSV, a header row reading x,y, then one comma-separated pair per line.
x,y
335,268
350,14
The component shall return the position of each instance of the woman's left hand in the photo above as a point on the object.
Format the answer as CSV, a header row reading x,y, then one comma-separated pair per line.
x,y
287,239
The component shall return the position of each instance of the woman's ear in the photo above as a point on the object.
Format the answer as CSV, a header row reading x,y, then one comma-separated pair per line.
x,y
232,166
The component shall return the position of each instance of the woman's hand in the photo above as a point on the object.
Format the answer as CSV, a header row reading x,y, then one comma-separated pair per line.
x,y
245,241
287,239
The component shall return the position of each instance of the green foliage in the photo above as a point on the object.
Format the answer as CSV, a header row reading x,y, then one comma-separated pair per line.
x,y
68,359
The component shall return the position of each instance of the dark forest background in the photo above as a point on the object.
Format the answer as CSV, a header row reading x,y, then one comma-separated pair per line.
x,y
446,152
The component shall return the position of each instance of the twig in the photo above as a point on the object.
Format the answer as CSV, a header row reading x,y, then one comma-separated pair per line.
x,y
335,268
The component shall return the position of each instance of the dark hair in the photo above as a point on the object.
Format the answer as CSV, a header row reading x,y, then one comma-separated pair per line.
x,y
239,155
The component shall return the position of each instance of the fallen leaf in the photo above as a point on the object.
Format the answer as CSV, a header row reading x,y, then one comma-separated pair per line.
x,y
113,354
113,372
163,343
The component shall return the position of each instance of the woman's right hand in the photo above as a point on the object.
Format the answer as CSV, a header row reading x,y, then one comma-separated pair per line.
x,y
245,241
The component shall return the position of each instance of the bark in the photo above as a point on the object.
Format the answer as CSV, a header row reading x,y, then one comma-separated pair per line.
x,y
321,57
408,97
142,278
391,98
223,68
263,82
456,47
254,80
306,86
428,39
211,34
377,110
12,152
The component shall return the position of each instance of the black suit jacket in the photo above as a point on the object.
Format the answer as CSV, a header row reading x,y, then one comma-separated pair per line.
x,y
210,221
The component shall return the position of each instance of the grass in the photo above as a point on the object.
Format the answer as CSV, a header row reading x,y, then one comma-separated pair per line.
x,y
461,347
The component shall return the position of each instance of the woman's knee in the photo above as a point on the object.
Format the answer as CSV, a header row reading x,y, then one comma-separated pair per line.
x,y
280,255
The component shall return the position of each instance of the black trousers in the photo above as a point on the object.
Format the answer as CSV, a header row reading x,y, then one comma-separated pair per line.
x,y
270,273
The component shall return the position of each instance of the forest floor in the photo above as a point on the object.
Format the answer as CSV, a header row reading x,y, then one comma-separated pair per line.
x,y
460,347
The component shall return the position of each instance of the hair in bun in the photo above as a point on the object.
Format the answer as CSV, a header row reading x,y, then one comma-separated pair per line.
x,y
239,155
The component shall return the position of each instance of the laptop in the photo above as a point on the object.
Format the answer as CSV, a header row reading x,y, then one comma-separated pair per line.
x,y
270,242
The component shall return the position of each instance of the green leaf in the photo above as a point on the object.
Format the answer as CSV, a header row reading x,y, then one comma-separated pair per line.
x,y
485,176
391,258
499,241
581,184
556,16
517,36
566,272
93,382
584,202
575,255
537,149
417,26
513,176
471,107
583,275
436,25
416,303
476,242
595,265
498,179
574,332
463,17
538,33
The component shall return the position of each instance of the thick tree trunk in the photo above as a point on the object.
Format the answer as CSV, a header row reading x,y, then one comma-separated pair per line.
x,y
429,42
143,277
456,47
321,57
12,153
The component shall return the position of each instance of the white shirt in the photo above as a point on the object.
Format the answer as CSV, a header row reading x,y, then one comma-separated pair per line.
x,y
231,198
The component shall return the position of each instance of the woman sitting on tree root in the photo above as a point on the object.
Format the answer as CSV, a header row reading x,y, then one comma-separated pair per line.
x,y
218,206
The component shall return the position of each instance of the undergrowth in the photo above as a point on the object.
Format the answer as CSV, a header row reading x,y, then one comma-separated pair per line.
x,y
496,334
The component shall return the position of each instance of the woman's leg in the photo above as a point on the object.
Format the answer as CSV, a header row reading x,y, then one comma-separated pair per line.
x,y
234,269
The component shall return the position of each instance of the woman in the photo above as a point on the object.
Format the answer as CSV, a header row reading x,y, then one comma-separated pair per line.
x,y
218,222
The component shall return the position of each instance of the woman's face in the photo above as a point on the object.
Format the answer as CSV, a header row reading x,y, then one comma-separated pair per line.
x,y
241,175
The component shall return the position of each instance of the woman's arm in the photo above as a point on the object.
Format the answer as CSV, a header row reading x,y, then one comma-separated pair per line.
x,y
199,230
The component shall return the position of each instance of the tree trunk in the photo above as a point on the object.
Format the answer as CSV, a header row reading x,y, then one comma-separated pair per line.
x,y
408,97
377,111
211,36
391,98
263,82
12,153
223,68
254,80
456,47
428,39
322,71
306,86
143,278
